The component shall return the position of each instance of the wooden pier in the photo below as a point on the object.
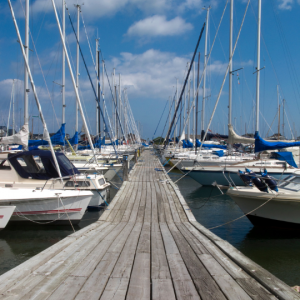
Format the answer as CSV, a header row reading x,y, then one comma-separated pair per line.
x,y
146,245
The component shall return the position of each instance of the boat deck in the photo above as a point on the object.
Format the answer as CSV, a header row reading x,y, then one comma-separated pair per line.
x,y
146,245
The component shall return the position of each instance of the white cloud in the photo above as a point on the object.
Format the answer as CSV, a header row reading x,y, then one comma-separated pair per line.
x,y
104,8
285,4
158,25
152,74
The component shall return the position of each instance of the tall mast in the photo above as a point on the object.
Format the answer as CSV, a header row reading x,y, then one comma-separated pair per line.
x,y
278,107
104,129
46,132
197,103
13,108
204,77
63,63
230,67
194,110
188,109
119,108
77,66
98,122
258,65
283,117
176,106
74,83
26,46
116,104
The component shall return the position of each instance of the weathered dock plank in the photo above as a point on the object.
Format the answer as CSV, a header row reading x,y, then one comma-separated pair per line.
x,y
146,245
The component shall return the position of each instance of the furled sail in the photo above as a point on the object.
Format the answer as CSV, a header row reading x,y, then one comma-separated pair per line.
x,y
262,145
20,138
234,138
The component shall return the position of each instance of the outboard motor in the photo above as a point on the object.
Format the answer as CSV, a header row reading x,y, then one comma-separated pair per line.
x,y
257,181
270,181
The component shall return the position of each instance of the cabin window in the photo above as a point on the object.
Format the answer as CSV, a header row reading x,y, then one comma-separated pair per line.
x,y
30,165
71,183
101,181
294,184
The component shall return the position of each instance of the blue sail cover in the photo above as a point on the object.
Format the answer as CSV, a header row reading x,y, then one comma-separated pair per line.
x,y
220,153
190,144
262,145
285,156
74,140
187,144
57,139
210,145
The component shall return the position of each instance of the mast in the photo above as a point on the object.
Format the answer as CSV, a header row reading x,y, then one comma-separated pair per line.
x,y
98,117
13,108
97,90
175,108
204,77
194,112
74,83
197,103
258,66
104,128
278,107
63,63
282,117
230,67
46,132
188,109
77,66
119,108
26,46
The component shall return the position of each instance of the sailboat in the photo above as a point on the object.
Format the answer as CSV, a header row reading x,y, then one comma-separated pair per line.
x,y
227,174
22,168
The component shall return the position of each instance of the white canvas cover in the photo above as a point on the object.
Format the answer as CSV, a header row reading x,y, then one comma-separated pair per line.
x,y
20,138
234,138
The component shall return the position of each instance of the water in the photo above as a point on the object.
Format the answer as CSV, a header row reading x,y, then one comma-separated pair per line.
x,y
277,251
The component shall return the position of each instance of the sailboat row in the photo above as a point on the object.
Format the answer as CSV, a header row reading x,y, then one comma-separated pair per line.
x,y
265,182
41,185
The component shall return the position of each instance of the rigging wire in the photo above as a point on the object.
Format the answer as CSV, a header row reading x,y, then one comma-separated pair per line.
x,y
160,119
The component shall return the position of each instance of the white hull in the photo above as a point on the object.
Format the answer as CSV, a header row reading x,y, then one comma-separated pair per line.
x,y
98,200
209,175
282,209
45,206
5,215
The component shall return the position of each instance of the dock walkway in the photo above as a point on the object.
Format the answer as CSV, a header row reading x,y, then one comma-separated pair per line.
x,y
146,245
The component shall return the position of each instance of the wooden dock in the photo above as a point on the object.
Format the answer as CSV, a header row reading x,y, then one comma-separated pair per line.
x,y
146,245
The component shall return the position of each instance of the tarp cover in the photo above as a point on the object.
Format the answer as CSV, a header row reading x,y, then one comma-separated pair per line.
x,y
20,138
26,166
234,138
74,140
262,145
285,156
220,153
210,145
57,139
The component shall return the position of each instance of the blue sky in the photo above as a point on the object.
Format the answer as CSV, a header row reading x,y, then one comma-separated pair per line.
x,y
150,43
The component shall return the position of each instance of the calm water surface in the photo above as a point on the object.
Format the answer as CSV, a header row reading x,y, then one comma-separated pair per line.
x,y
277,251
